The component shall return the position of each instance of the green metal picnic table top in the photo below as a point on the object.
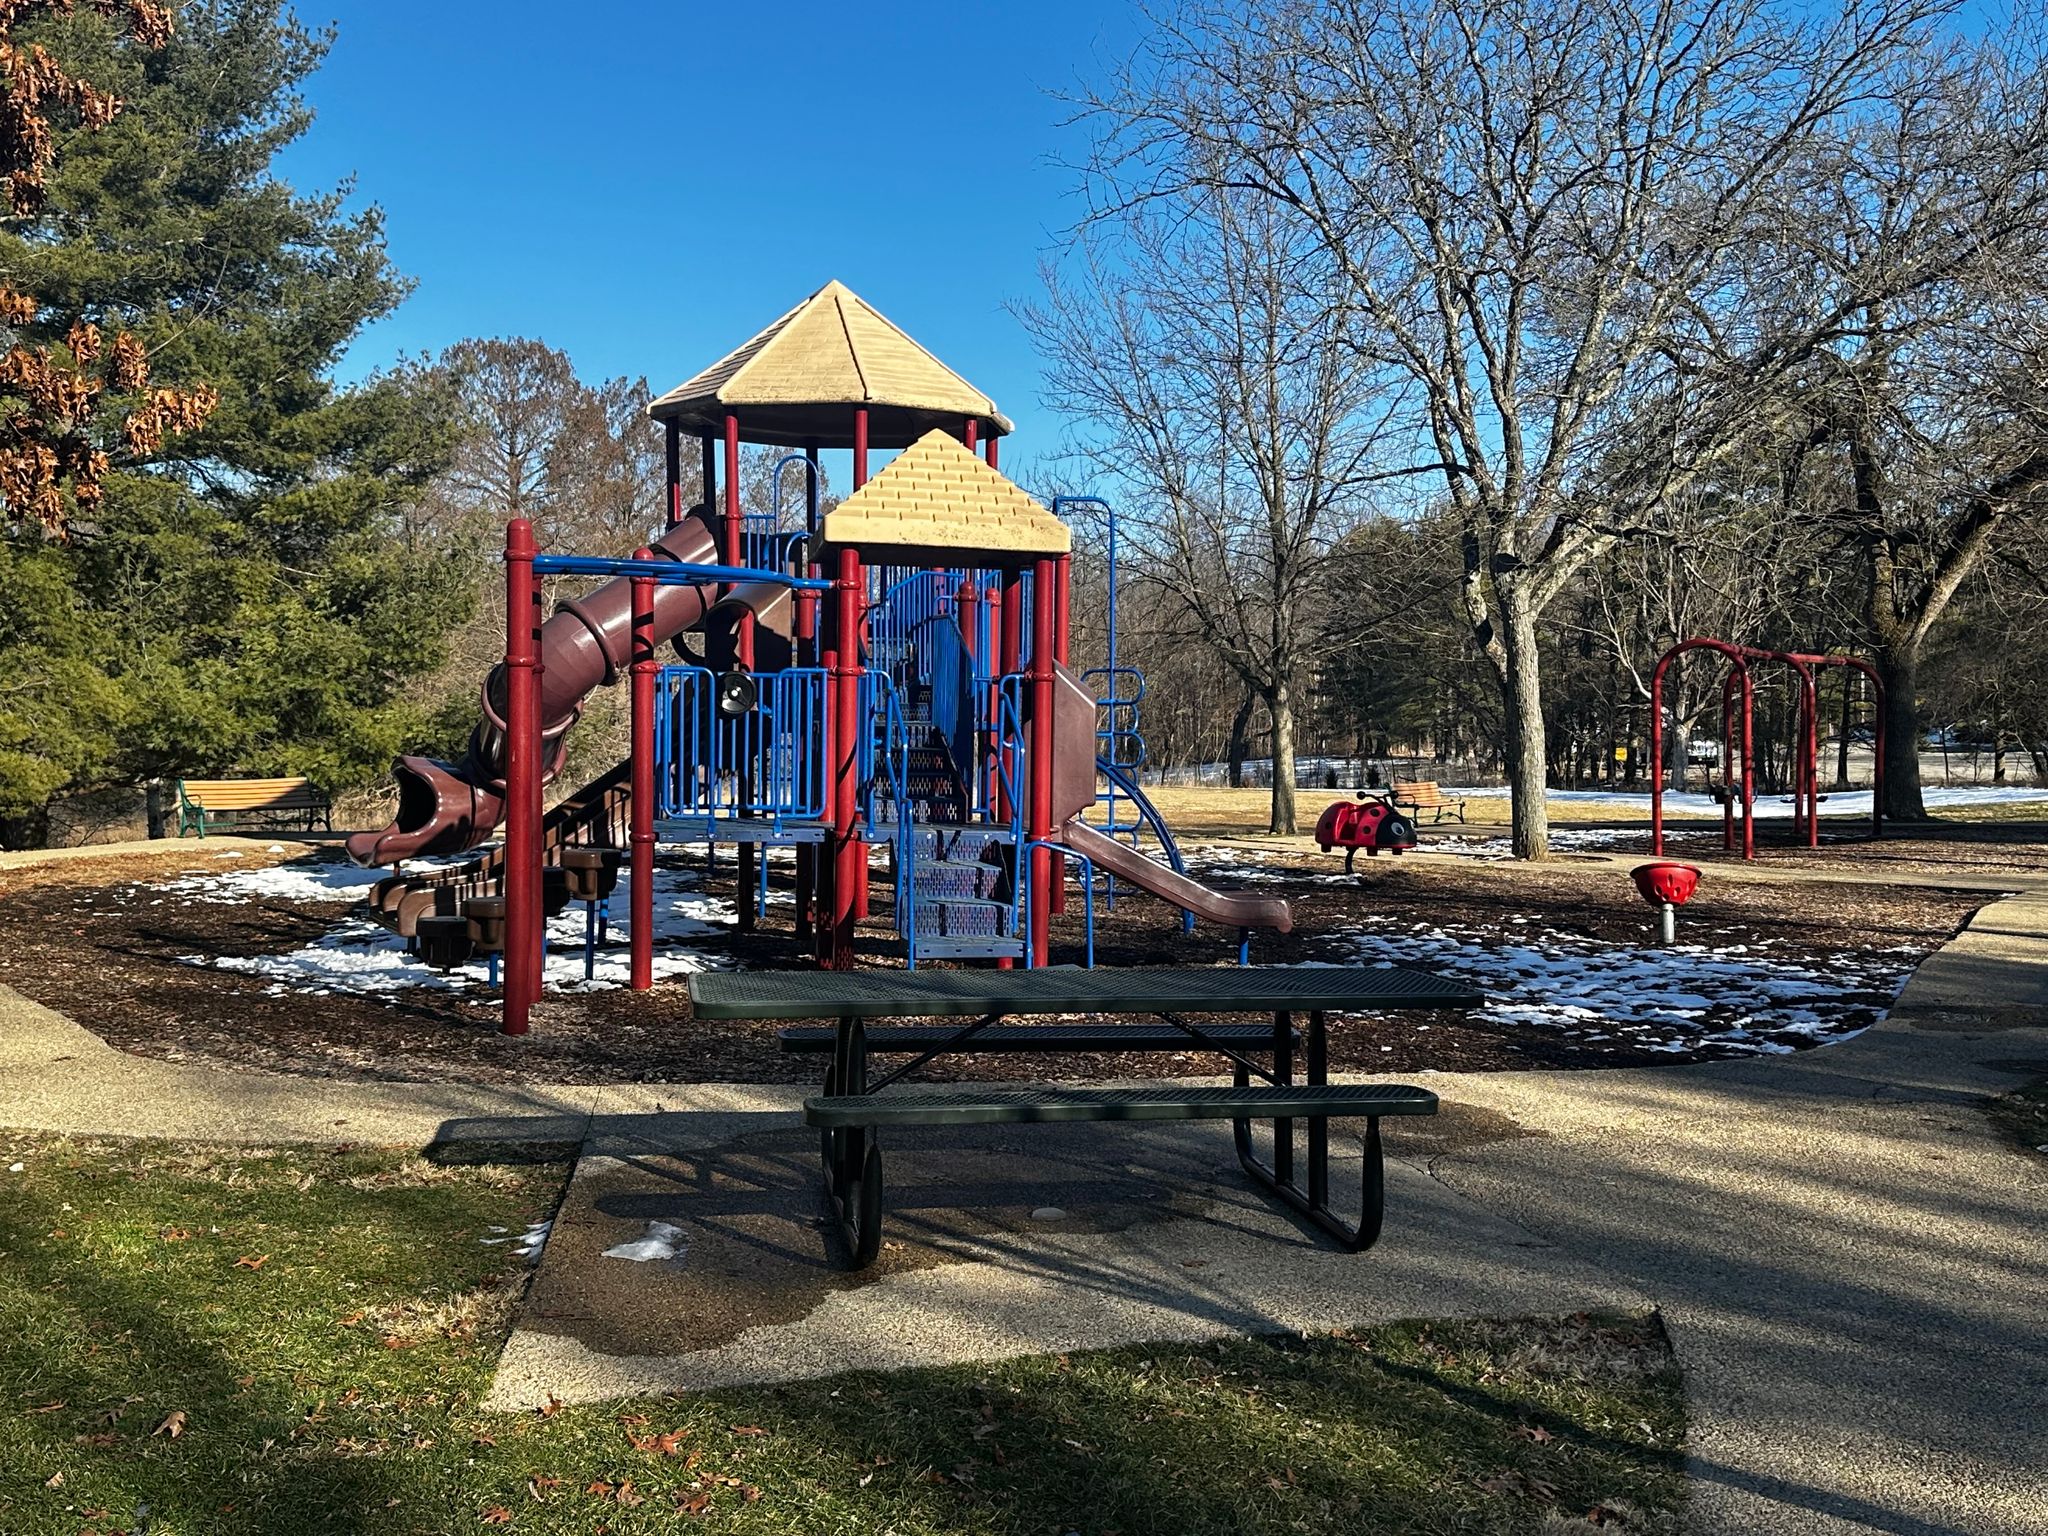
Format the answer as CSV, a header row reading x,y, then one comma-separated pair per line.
x,y
1070,989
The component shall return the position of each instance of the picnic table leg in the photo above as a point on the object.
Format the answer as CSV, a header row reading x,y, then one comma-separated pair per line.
x,y
1277,1179
853,1155
1318,1129
1283,1075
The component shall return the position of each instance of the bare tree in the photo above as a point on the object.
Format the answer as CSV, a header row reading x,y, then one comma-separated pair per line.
x,y
1202,347
1536,205
1928,421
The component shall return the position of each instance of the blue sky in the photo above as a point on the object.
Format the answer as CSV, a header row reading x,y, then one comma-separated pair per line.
x,y
651,183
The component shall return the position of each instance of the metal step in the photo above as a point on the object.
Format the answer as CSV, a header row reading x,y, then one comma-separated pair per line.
x,y
962,917
940,947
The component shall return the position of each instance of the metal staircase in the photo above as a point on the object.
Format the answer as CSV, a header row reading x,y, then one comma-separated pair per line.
x,y
956,896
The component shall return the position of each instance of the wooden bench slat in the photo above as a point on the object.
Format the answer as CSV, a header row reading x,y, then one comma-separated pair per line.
x,y
998,1106
202,801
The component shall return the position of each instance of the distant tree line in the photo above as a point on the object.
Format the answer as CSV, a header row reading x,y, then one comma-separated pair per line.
x,y
1604,323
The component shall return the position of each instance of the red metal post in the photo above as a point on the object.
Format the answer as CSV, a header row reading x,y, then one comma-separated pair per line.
x,y
1009,660
970,434
848,851
1038,816
1656,752
1062,634
854,862
523,919
641,839
989,452
746,892
967,610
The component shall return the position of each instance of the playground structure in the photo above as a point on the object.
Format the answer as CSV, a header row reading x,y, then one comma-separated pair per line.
x,y
891,672
1738,740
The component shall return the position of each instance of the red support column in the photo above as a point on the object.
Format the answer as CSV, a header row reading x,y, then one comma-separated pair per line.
x,y
1062,634
970,434
523,917
989,452
850,659
672,458
641,838
967,608
746,892
848,851
1010,659
1038,812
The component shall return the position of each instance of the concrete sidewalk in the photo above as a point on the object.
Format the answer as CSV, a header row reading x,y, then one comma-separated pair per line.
x,y
1852,1266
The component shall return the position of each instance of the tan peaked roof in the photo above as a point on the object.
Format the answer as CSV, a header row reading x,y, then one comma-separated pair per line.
x,y
936,499
799,381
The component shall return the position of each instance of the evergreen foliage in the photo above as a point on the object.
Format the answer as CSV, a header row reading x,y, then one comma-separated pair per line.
x,y
246,598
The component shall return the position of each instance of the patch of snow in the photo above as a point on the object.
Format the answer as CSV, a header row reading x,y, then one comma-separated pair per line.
x,y
303,880
662,1241
361,957
1755,1002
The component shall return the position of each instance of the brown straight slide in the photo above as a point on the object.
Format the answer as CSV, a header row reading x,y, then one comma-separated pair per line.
x,y
1126,863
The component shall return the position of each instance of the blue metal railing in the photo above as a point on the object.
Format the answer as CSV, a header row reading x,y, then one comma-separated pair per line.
x,y
1062,851
671,573
953,694
767,763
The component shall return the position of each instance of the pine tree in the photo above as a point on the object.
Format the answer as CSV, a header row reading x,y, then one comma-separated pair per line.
x,y
242,599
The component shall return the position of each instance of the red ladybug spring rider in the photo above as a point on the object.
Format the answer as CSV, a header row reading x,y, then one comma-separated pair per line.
x,y
1370,822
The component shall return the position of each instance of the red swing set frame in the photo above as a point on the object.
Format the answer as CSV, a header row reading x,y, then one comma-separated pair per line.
x,y
1738,704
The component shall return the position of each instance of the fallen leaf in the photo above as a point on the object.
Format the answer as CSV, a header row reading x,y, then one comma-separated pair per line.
x,y
55,1480
693,1503
175,1235
252,1261
748,1429
1537,1433
497,1514
173,1424
552,1407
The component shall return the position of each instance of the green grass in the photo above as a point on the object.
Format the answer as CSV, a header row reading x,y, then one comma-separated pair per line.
x,y
154,1375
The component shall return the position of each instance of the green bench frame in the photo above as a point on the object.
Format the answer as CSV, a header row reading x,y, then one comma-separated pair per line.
x,y
287,801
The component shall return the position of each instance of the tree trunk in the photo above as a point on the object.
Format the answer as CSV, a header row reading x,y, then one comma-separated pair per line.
x,y
1849,680
1522,715
153,804
1899,668
1280,702
1240,728
27,829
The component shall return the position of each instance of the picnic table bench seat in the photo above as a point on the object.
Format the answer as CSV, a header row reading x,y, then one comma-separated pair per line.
x,y
1419,795
852,1110
220,803
887,1038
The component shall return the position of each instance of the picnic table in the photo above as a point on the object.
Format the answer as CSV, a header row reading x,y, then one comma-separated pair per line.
x,y
964,1012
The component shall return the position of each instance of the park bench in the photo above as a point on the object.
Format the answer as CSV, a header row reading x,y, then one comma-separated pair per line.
x,y
1419,795
214,804
964,1012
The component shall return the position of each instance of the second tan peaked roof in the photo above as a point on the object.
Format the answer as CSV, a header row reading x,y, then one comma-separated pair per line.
x,y
937,501
799,381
